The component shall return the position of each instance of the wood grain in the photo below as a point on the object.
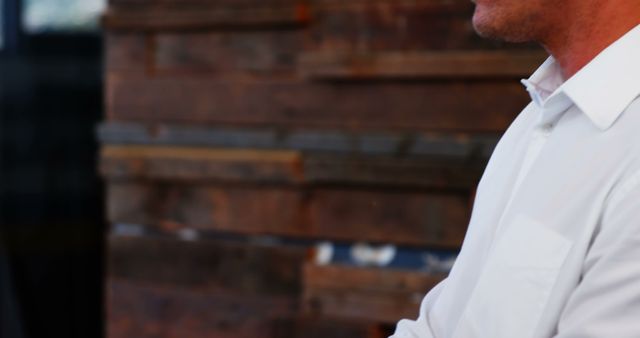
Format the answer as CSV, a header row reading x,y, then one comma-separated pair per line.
x,y
396,25
420,65
207,265
145,310
228,55
323,327
190,18
197,164
418,106
436,219
309,141
290,167
364,293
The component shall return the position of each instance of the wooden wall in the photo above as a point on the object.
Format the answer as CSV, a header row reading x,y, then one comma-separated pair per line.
x,y
239,133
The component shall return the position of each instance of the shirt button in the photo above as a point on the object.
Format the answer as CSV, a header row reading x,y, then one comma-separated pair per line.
x,y
547,127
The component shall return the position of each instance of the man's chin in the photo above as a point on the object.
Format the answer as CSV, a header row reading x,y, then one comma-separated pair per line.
x,y
490,24
491,29
484,26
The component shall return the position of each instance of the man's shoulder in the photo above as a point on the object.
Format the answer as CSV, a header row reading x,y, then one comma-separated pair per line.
x,y
623,146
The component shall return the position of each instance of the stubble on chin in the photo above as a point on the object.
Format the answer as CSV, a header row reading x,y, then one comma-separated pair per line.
x,y
482,24
498,24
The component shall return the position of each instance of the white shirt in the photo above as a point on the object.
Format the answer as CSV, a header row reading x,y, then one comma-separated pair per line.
x,y
553,245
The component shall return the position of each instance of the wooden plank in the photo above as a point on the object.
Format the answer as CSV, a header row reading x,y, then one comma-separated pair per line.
x,y
127,52
184,17
420,65
210,3
487,106
233,55
370,26
436,219
207,265
316,327
171,206
122,133
398,144
143,310
364,293
441,172
289,167
190,163
250,3
367,279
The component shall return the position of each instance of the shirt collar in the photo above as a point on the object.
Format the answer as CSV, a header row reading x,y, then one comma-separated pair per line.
x,y
602,89
544,82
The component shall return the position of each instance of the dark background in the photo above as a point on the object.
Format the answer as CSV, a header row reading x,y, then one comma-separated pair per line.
x,y
51,239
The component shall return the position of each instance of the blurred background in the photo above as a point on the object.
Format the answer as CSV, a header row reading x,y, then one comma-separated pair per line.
x,y
239,168
51,199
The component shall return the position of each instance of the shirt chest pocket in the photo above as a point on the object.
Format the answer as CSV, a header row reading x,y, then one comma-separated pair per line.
x,y
515,285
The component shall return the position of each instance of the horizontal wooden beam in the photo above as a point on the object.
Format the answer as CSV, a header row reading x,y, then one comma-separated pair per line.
x,y
365,293
323,327
207,265
200,164
290,167
195,153
175,18
397,144
135,309
231,55
415,218
402,25
480,106
250,3
420,65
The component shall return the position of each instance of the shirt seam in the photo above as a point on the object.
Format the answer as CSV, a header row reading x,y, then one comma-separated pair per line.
x,y
625,189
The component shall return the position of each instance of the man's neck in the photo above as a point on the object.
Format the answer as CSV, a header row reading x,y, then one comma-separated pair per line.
x,y
583,38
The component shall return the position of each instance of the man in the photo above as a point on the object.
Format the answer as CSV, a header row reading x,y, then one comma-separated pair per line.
x,y
553,245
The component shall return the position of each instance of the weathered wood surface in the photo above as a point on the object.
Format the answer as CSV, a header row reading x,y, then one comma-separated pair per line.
x,y
207,265
128,52
437,219
433,172
427,106
258,166
168,4
203,15
418,65
333,25
322,327
255,55
228,55
221,55
295,121
165,287
401,25
380,295
289,167
137,309
458,145
144,310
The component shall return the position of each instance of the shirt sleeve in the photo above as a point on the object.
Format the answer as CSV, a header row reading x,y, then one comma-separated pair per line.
x,y
421,327
606,302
